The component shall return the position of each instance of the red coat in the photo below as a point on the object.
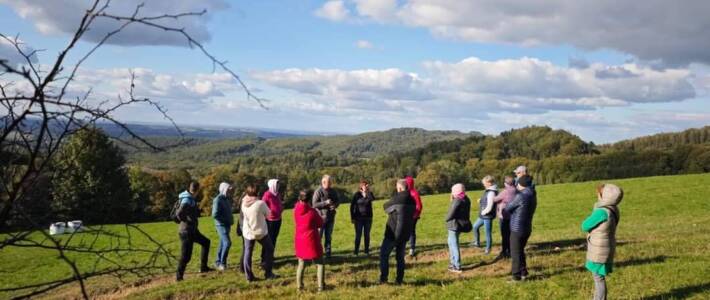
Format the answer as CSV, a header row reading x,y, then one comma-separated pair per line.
x,y
415,194
307,238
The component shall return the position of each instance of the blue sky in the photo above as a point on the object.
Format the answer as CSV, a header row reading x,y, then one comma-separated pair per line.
x,y
360,65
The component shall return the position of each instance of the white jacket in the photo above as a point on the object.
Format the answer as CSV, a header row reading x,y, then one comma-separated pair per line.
x,y
254,212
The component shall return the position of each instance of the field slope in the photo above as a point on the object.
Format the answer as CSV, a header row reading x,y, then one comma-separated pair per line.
x,y
663,253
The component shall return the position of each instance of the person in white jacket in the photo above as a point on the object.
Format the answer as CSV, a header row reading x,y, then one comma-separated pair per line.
x,y
254,229
486,212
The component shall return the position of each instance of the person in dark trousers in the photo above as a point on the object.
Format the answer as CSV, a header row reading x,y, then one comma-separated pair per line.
x,y
601,236
188,214
255,230
521,211
417,213
458,220
400,222
325,201
273,200
223,220
361,215
502,201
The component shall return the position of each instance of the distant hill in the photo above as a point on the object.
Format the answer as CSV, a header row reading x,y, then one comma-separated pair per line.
x,y
693,136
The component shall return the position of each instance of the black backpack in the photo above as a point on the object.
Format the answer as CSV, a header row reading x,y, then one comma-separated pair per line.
x,y
173,211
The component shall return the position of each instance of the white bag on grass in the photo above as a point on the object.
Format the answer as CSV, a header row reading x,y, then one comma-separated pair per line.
x,y
57,228
73,226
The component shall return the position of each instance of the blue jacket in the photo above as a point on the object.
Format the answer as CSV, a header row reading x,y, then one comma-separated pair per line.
x,y
521,211
188,213
222,211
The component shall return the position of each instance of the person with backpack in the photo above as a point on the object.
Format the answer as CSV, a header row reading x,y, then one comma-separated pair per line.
x,y
521,211
307,240
400,221
601,236
361,215
486,213
458,220
187,214
255,230
417,213
223,220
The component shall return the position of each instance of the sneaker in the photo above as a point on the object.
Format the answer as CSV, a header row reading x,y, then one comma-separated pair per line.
x,y
488,251
523,278
456,270
221,268
474,244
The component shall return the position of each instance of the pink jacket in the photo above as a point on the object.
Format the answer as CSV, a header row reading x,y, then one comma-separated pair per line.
x,y
415,194
502,200
275,207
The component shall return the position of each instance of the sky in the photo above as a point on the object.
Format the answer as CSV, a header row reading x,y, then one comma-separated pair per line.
x,y
604,70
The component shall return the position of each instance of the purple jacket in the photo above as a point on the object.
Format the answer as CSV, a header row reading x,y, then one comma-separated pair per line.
x,y
503,198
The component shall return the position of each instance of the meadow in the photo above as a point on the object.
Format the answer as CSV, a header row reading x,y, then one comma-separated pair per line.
x,y
663,253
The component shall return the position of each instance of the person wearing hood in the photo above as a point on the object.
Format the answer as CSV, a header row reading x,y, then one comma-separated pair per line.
x,y
223,220
188,214
502,200
417,213
486,213
307,240
273,201
521,211
458,220
601,235
400,221
361,215
254,229
325,201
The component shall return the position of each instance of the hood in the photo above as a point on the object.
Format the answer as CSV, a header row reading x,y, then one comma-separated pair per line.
x,y
458,191
410,182
223,188
300,209
273,186
611,195
248,200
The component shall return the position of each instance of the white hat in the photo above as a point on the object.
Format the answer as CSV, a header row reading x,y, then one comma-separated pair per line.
x,y
521,169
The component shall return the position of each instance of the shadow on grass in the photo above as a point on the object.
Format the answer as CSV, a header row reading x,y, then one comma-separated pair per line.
x,y
481,264
621,264
683,292
559,246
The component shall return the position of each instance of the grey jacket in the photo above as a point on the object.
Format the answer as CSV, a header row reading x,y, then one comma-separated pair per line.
x,y
319,203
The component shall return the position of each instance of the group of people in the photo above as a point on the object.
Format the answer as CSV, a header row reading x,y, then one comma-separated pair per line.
x,y
314,217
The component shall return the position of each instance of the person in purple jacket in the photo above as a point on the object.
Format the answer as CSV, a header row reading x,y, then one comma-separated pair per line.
x,y
502,200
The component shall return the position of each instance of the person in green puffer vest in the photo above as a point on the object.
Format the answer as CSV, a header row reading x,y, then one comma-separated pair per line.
x,y
601,236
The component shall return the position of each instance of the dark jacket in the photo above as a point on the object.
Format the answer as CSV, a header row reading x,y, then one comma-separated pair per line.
x,y
521,211
400,222
460,209
325,211
361,207
483,203
222,211
188,213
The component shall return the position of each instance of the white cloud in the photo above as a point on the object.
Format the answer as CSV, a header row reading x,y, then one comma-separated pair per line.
x,y
9,53
63,17
364,44
671,33
333,10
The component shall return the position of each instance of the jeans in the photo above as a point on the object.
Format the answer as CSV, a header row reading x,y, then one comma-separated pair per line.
x,y
320,270
505,237
187,240
225,242
360,226
327,231
413,238
400,248
268,250
488,224
518,240
599,287
274,228
454,252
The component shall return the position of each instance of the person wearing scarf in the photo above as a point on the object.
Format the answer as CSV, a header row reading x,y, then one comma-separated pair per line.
x,y
458,220
223,220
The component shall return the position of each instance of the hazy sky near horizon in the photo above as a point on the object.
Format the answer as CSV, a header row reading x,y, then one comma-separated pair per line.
x,y
604,70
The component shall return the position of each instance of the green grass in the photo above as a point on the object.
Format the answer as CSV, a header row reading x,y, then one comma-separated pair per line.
x,y
663,252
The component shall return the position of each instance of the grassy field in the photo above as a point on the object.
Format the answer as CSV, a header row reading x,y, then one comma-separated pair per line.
x,y
663,253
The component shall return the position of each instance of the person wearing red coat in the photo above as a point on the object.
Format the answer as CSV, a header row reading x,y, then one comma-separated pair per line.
x,y
307,239
417,213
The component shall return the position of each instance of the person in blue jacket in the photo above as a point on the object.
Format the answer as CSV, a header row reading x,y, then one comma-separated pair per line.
x,y
223,220
521,211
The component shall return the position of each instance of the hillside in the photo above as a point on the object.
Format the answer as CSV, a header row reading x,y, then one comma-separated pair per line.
x,y
663,253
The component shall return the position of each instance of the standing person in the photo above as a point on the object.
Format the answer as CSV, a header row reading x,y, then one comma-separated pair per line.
x,y
601,236
417,213
273,201
255,230
188,214
325,201
502,201
223,220
240,226
486,213
521,171
361,215
458,220
521,211
307,239
400,221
